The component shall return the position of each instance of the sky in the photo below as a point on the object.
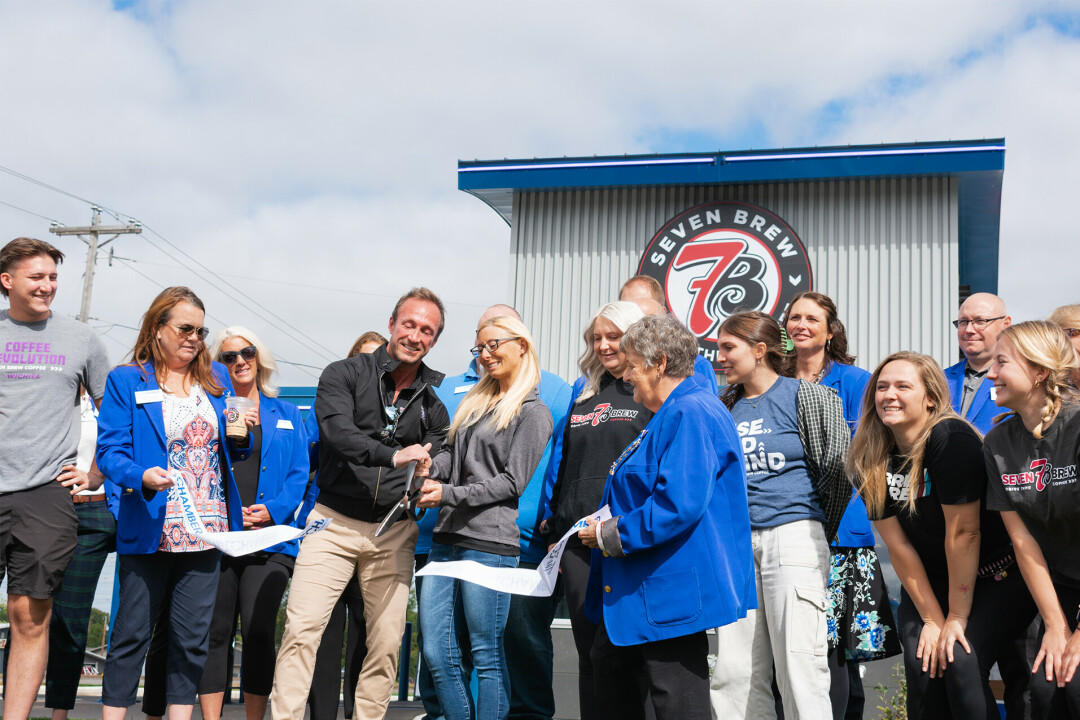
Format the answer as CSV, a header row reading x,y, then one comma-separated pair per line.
x,y
295,163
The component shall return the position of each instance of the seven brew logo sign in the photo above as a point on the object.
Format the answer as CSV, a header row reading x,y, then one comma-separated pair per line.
x,y
724,257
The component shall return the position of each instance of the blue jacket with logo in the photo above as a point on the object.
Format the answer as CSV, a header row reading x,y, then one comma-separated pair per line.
x,y
283,468
682,560
131,439
983,410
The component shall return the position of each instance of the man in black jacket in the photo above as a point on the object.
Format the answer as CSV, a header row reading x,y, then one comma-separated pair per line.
x,y
376,413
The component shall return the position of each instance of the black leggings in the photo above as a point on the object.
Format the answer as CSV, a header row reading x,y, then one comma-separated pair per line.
x,y
575,576
251,586
1001,610
1047,696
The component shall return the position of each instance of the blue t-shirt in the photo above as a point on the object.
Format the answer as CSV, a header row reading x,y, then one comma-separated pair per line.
x,y
778,486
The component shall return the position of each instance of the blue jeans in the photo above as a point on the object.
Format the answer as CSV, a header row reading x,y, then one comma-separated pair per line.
x,y
530,655
453,610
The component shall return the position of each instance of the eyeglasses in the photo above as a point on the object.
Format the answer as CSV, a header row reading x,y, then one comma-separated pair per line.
x,y
393,412
229,356
189,330
1072,332
977,323
491,345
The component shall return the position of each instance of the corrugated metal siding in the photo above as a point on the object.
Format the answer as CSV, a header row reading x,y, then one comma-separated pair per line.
x,y
885,250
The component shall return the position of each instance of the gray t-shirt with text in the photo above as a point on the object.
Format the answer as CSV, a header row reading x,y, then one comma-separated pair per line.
x,y
42,365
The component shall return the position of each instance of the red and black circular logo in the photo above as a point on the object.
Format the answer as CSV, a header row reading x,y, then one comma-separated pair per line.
x,y
724,257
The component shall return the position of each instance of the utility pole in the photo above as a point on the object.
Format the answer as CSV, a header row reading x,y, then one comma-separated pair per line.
x,y
95,229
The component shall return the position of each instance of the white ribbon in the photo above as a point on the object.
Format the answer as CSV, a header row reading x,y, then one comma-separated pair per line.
x,y
236,542
516,581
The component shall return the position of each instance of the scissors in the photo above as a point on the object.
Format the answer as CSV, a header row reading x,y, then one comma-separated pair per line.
x,y
412,490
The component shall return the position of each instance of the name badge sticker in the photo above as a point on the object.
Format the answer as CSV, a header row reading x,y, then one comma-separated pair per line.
x,y
149,396
284,425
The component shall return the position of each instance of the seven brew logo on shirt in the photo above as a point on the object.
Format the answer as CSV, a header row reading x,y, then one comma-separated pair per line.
x,y
724,257
1040,474
602,413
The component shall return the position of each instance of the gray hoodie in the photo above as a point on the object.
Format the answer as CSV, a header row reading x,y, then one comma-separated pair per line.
x,y
484,473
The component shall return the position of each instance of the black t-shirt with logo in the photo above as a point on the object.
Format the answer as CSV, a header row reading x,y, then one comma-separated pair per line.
x,y
1037,478
954,474
597,430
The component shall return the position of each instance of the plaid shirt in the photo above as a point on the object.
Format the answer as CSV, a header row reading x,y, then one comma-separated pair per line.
x,y
825,436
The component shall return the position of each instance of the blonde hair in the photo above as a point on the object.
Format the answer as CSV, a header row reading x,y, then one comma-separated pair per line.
x,y
1044,345
868,458
1067,316
481,399
264,376
622,315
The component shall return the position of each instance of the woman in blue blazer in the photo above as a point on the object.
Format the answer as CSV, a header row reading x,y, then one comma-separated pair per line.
x,y
675,558
159,425
271,482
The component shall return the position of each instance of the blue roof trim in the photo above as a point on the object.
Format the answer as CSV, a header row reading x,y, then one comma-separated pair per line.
x,y
734,167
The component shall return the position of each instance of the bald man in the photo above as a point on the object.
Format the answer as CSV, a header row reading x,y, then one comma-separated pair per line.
x,y
646,293
981,319
527,639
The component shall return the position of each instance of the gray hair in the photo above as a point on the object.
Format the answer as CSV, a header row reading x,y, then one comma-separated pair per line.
x,y
662,336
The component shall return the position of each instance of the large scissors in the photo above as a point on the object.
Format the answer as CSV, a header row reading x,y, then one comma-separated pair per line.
x,y
412,490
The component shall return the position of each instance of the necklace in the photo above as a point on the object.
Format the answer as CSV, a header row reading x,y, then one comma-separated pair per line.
x,y
818,378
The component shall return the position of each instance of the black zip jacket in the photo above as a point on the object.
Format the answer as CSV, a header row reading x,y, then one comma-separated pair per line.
x,y
355,476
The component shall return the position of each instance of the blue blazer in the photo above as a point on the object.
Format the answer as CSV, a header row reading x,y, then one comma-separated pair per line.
x,y
983,410
679,493
283,469
131,439
849,382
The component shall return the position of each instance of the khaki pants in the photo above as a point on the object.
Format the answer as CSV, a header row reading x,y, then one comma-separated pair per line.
x,y
787,632
326,562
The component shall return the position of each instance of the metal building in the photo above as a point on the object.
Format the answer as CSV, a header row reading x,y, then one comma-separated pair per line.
x,y
895,234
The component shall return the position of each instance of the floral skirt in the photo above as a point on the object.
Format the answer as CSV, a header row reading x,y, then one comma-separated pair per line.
x,y
859,617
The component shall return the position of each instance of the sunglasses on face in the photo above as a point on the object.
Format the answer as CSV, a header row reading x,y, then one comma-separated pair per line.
x,y
229,356
188,330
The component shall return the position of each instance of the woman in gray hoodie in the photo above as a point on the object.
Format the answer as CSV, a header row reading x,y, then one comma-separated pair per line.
x,y
495,443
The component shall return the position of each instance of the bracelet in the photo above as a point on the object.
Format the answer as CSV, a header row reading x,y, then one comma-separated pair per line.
x,y
599,537
393,459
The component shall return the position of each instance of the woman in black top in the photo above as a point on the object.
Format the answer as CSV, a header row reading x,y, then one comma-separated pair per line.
x,y
603,420
1031,462
917,465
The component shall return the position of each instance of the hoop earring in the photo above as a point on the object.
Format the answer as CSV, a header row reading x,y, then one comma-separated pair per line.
x,y
828,345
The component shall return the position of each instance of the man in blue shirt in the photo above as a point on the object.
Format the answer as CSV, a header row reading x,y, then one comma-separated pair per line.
x,y
981,319
527,639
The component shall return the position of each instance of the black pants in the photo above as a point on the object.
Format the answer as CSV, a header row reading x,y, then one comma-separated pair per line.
x,y
575,577
1047,696
251,586
671,676
326,677
1001,610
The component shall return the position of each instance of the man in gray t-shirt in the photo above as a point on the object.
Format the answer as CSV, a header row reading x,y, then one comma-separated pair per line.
x,y
44,358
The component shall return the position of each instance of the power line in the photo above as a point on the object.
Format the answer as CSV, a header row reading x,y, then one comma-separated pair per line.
x,y
331,353
28,212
